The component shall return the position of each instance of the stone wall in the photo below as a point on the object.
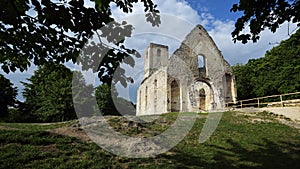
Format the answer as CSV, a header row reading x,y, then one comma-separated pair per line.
x,y
179,84
152,97
156,56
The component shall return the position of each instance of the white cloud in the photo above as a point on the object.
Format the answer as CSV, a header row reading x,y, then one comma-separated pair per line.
x,y
178,19
175,11
241,53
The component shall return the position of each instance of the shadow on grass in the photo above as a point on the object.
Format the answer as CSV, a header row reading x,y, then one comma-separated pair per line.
x,y
265,155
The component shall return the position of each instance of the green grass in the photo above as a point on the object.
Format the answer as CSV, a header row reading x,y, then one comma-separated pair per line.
x,y
37,126
237,143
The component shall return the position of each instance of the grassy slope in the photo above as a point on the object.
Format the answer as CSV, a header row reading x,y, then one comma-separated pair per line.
x,y
237,143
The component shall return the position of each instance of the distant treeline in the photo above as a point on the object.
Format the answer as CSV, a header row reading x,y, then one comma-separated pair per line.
x,y
276,73
49,98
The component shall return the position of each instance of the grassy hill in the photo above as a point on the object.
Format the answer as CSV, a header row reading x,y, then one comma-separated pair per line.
x,y
256,140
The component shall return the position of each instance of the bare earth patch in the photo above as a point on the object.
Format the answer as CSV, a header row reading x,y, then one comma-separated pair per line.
x,y
262,117
7,128
72,131
77,131
47,148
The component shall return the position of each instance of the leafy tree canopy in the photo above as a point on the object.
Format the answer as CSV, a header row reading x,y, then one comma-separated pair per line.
x,y
104,96
48,96
276,73
110,104
262,14
42,31
8,95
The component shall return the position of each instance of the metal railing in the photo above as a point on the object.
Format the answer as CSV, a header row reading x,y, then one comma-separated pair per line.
x,y
280,100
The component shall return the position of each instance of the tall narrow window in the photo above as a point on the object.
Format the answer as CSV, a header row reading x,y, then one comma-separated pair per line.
x,y
158,53
146,97
175,97
140,103
158,58
155,94
201,61
228,88
201,66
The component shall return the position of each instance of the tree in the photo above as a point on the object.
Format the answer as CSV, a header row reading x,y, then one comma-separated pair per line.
x,y
110,104
276,73
104,96
244,75
48,96
43,31
8,95
262,14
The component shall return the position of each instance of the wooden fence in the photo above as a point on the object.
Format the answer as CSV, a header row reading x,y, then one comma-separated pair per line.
x,y
268,101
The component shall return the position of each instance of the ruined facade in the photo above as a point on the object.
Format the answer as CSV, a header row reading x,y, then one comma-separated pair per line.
x,y
195,78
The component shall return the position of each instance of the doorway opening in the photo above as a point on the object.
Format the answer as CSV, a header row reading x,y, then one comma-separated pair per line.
x,y
175,97
202,98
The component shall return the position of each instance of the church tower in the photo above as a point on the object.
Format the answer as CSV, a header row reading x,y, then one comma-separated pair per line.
x,y
156,56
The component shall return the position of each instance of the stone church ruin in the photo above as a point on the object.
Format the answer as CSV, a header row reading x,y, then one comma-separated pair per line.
x,y
195,78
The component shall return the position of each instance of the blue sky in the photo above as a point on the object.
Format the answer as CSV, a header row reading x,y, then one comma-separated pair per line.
x,y
218,8
178,18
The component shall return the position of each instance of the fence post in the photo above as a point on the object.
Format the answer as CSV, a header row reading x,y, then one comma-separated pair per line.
x,y
241,104
281,100
258,102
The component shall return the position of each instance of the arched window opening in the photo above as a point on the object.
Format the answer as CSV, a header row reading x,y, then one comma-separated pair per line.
x,y
201,65
155,94
158,53
228,87
155,86
175,97
158,58
140,103
146,96
201,61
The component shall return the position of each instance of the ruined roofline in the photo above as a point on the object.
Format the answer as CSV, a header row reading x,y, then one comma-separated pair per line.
x,y
198,27
211,39
151,44
203,30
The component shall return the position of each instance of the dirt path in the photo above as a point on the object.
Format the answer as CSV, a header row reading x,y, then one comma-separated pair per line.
x,y
287,115
290,112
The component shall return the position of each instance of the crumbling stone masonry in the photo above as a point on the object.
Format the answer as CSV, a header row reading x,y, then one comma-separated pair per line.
x,y
196,77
